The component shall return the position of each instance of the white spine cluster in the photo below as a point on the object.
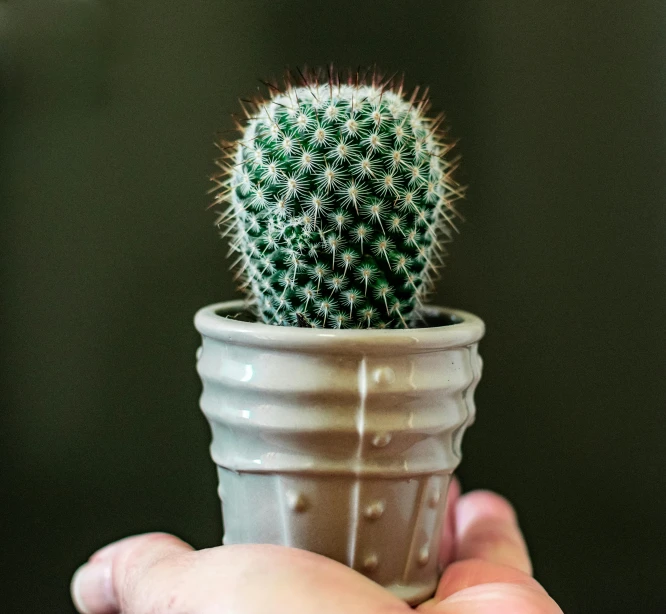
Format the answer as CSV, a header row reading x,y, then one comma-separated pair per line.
x,y
340,198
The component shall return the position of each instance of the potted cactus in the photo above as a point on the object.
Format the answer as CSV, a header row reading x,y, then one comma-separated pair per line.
x,y
337,399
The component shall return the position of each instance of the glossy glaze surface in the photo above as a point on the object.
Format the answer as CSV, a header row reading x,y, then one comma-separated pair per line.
x,y
340,442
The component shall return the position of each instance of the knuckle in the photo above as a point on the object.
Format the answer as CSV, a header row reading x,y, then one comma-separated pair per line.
x,y
131,568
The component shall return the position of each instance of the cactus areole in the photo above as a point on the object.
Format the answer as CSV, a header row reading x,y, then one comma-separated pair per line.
x,y
339,200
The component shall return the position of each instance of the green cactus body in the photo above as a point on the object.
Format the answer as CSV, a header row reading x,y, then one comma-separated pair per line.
x,y
340,202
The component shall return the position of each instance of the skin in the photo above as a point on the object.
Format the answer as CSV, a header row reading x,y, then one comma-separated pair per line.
x,y
488,572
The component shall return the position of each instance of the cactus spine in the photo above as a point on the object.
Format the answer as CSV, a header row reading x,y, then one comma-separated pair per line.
x,y
339,200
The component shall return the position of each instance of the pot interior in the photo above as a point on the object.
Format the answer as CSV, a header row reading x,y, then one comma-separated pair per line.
x,y
431,317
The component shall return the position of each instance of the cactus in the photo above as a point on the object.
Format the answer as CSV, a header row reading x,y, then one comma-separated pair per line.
x,y
339,201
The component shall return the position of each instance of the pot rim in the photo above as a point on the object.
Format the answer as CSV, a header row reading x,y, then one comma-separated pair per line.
x,y
467,330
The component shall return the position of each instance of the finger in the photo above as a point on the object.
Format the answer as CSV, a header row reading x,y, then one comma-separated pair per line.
x,y
447,548
487,529
97,586
490,547
474,572
496,598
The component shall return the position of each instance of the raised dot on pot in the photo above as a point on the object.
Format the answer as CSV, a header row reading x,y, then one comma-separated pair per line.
x,y
370,562
374,510
381,439
296,501
424,555
383,375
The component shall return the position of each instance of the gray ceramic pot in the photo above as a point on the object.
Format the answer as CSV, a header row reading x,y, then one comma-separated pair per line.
x,y
341,442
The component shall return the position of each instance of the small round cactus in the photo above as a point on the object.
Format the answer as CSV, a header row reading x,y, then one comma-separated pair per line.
x,y
340,199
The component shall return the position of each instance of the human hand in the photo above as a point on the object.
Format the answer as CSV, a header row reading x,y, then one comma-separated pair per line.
x,y
488,572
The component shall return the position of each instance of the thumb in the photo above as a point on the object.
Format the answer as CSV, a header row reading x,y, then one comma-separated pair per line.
x,y
496,598
492,573
159,573
111,574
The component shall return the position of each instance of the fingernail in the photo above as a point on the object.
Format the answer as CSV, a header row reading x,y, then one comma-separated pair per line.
x,y
454,487
91,588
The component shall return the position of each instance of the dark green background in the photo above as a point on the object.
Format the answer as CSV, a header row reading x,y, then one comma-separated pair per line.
x,y
107,120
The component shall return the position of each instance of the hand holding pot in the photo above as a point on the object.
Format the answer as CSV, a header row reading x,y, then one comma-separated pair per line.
x,y
489,571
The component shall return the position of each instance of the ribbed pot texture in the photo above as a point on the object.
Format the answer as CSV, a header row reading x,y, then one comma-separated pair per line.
x,y
341,442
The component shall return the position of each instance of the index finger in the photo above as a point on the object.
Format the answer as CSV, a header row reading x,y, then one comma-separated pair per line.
x,y
487,529
491,552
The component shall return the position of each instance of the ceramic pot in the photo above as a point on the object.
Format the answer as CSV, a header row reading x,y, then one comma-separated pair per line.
x,y
341,442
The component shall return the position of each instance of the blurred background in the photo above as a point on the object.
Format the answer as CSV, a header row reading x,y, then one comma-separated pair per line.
x,y
108,111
